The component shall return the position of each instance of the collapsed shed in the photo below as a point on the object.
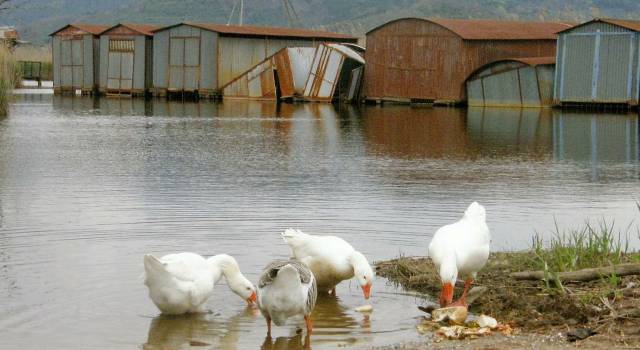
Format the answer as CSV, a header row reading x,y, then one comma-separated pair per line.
x,y
126,54
429,60
597,62
326,73
76,60
516,82
203,57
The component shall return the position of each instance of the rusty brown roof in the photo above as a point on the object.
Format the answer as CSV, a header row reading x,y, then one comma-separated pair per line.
x,y
94,29
625,23
144,29
489,29
264,31
8,33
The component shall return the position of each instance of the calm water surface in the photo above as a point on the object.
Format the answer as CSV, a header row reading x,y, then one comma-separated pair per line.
x,y
89,186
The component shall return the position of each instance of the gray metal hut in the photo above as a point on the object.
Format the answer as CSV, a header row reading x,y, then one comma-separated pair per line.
x,y
126,56
76,57
597,63
203,57
513,82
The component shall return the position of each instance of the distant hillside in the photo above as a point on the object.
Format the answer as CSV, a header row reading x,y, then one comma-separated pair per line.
x,y
37,18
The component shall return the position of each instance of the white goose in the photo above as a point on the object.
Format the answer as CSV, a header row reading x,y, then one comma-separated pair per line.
x,y
331,259
181,283
286,289
460,249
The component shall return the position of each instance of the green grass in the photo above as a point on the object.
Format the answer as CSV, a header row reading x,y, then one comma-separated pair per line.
x,y
574,249
590,246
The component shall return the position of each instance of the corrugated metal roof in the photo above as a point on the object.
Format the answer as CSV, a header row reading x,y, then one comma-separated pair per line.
x,y
94,29
144,29
488,29
625,23
264,31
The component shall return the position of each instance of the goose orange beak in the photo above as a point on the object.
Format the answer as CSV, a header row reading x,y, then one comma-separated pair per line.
x,y
446,296
252,298
366,290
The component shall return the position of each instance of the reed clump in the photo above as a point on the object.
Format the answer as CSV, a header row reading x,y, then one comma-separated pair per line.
x,y
9,77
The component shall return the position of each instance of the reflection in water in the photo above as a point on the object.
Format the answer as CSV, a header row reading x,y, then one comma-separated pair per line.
x,y
506,131
104,181
182,331
402,132
287,343
596,137
331,320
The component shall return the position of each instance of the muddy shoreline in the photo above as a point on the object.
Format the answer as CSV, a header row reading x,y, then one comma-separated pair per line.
x,y
539,312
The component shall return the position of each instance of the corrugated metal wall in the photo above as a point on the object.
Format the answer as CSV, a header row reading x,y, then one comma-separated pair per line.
x,y
89,70
416,59
75,62
139,62
182,59
209,61
597,63
511,84
238,54
160,59
137,71
55,49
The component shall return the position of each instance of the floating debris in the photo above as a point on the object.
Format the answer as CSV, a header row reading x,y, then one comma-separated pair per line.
x,y
364,308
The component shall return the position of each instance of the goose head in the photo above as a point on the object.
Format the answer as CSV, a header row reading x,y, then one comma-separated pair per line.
x,y
239,284
475,211
363,272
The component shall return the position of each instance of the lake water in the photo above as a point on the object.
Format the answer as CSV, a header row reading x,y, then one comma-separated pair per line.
x,y
87,186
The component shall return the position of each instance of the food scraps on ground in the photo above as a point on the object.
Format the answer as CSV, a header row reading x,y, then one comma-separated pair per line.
x,y
486,321
449,323
452,314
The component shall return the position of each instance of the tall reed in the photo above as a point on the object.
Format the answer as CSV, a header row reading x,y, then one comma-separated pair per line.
x,y
9,77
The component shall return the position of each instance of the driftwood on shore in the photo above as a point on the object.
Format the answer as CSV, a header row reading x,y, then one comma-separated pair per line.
x,y
584,275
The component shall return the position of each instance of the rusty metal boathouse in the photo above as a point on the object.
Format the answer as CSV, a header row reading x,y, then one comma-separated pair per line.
x,y
429,60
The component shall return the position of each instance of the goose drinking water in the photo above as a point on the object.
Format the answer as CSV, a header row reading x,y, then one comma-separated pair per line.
x,y
182,283
331,259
